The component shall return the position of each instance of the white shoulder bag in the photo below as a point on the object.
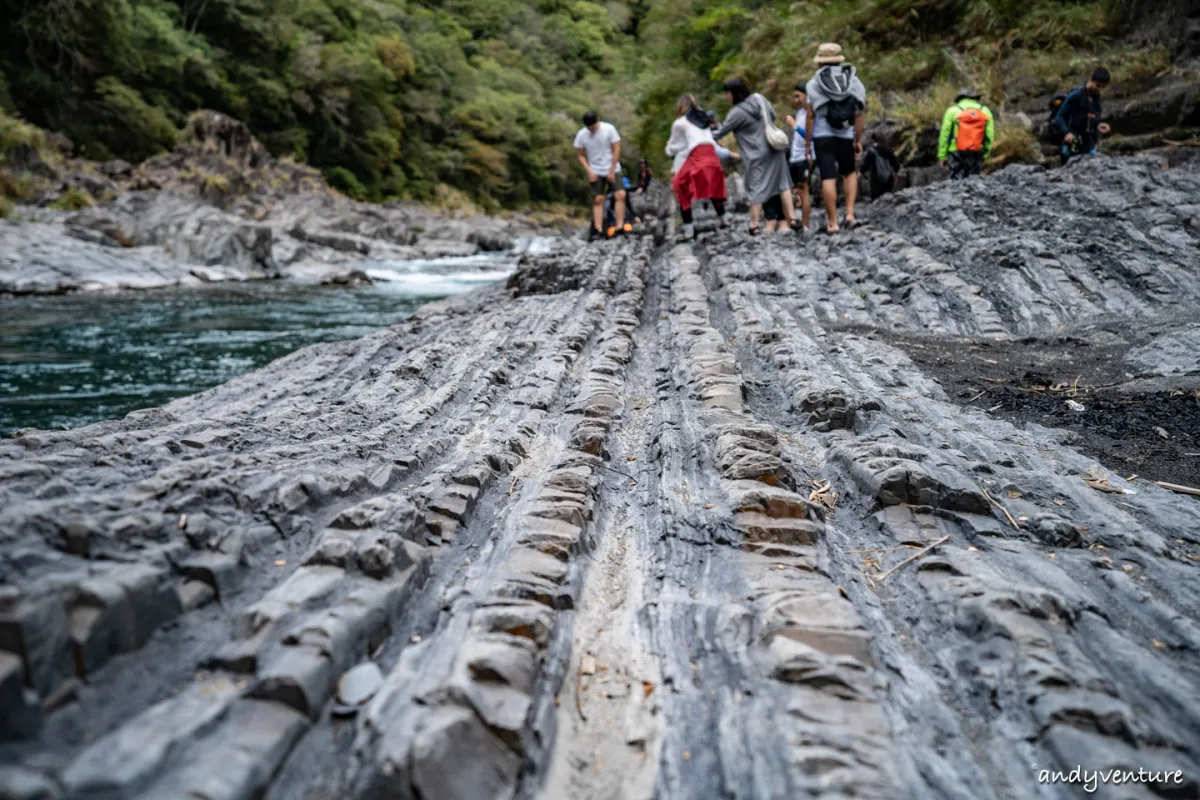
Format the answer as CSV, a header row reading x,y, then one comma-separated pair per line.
x,y
777,139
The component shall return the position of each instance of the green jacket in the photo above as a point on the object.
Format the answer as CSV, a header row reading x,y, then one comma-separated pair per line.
x,y
948,140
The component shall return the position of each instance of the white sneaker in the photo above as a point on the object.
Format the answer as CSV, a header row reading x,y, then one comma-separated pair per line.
x,y
721,222
688,233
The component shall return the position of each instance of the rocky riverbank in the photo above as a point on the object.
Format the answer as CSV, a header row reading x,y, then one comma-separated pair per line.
x,y
683,521
221,208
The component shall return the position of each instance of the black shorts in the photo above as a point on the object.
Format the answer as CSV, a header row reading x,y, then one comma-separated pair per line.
x,y
834,157
773,208
799,173
602,186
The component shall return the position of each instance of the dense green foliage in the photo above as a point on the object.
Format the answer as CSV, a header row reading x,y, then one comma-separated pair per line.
x,y
388,97
910,53
439,98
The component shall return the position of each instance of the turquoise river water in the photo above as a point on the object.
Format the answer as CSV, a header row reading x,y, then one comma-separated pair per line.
x,y
76,359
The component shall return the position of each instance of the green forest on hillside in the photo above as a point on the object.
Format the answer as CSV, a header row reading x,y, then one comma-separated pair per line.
x,y
415,98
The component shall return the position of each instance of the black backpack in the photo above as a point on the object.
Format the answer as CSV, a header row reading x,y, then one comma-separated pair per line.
x,y
882,173
1055,104
839,113
1050,133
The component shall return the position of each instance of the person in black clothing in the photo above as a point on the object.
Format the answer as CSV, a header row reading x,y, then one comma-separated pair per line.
x,y
881,167
1079,120
639,190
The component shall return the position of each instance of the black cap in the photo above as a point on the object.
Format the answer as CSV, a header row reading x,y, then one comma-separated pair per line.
x,y
967,93
590,118
1101,75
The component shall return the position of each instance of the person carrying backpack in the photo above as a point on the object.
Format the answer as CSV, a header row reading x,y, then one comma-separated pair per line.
x,y
881,166
836,102
968,131
1078,119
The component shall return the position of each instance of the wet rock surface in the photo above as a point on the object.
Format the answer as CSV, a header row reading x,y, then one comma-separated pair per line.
x,y
707,520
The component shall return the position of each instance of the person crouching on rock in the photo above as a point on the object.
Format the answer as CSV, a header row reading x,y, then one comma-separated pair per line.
x,y
767,174
645,175
836,102
881,167
968,130
599,147
698,172
1079,117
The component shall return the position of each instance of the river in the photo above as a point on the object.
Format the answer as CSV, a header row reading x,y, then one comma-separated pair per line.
x,y
70,360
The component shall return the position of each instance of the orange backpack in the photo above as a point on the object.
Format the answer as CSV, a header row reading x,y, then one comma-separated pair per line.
x,y
972,130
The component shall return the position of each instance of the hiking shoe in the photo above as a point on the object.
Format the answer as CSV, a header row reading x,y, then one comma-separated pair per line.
x,y
610,233
627,229
594,234
722,222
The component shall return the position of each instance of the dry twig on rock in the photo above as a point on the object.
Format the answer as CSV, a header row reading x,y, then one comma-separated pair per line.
x,y
1174,487
823,495
1098,482
997,504
913,558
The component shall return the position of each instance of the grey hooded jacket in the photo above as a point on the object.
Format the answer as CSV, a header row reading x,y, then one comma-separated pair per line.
x,y
833,82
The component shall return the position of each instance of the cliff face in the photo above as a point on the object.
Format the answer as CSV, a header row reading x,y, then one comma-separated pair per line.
x,y
1175,23
694,521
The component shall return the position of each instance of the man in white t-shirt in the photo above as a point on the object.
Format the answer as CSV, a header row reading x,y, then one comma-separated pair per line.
x,y
599,148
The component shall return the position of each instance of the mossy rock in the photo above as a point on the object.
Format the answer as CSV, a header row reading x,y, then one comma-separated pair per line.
x,y
74,199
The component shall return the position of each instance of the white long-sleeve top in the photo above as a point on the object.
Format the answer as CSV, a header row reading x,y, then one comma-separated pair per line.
x,y
686,137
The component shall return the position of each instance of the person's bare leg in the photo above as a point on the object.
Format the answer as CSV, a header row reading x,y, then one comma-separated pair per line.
x,y
755,213
771,225
829,193
789,212
851,182
598,212
620,209
805,205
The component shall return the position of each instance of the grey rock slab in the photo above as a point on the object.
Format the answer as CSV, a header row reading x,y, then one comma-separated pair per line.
x,y
20,707
298,676
128,759
237,760
22,783
456,757
1177,353
360,684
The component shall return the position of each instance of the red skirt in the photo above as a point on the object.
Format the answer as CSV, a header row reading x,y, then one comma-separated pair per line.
x,y
700,178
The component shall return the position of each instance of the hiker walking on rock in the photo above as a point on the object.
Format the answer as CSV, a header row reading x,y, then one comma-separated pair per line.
x,y
599,147
836,102
1079,120
698,172
968,130
800,157
752,122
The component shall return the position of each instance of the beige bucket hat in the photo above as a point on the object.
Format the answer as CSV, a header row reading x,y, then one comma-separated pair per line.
x,y
829,53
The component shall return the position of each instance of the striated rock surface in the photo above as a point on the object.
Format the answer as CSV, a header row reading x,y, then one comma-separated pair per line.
x,y
641,523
